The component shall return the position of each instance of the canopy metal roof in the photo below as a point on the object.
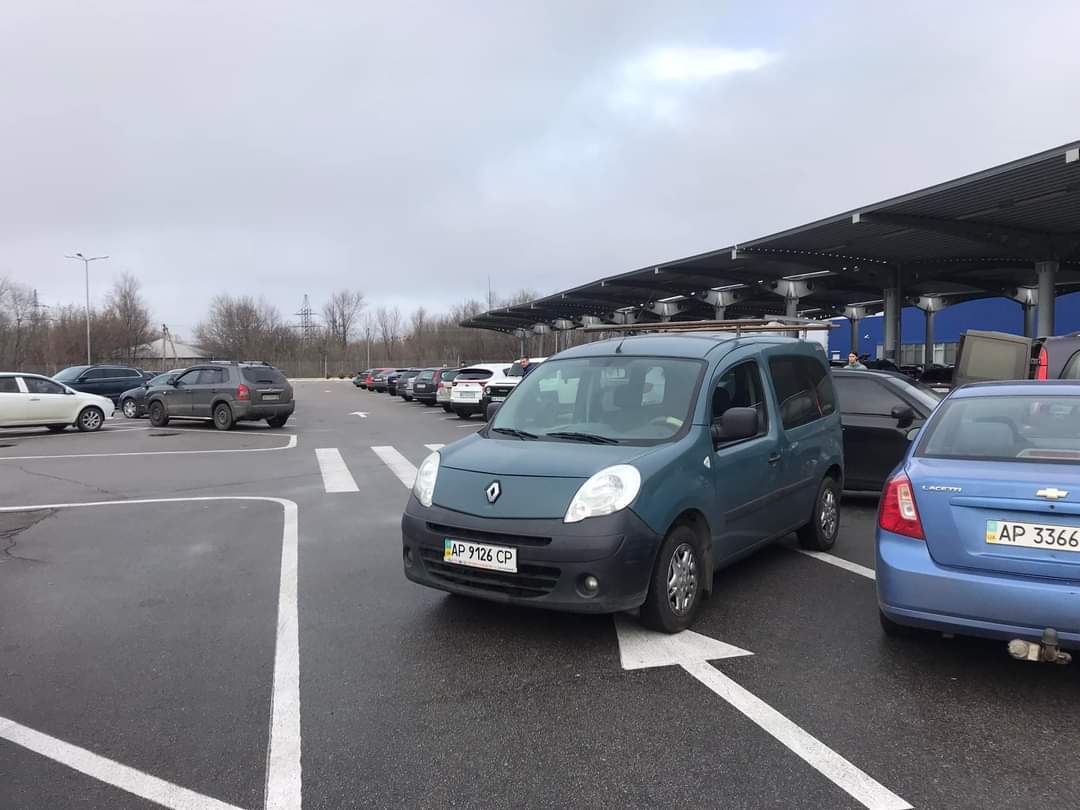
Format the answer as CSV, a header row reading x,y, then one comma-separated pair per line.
x,y
977,236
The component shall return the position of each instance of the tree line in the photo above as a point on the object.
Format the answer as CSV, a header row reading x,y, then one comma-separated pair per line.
x,y
347,336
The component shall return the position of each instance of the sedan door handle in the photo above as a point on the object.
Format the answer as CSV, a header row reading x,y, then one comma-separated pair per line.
x,y
774,456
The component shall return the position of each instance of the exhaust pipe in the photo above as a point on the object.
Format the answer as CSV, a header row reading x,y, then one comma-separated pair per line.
x,y
1046,650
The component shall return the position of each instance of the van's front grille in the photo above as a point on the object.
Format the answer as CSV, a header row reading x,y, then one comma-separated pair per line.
x,y
478,536
530,581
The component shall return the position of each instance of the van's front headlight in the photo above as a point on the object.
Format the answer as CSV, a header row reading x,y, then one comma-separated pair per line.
x,y
606,492
424,487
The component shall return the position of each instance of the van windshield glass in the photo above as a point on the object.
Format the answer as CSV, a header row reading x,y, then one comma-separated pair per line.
x,y
630,400
1038,429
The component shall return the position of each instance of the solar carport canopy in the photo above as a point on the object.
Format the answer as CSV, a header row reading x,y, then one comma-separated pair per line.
x,y
1000,232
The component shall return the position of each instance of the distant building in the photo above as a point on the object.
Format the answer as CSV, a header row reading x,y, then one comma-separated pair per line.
x,y
166,353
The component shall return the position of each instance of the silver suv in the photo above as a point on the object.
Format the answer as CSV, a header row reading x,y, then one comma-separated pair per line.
x,y
224,393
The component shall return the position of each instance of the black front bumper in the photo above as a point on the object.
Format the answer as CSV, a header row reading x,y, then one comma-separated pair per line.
x,y
553,558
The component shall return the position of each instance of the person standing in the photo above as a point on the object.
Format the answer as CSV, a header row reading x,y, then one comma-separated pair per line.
x,y
526,367
853,361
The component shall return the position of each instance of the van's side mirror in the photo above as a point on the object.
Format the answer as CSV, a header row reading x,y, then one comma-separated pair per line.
x,y
903,414
492,409
735,424
913,434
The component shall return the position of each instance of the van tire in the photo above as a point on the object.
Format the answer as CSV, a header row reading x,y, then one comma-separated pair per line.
x,y
819,534
223,417
657,612
159,417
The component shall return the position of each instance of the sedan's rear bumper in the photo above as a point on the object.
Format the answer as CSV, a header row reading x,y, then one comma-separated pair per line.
x,y
914,590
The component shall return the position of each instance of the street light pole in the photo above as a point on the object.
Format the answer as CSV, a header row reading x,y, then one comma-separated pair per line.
x,y
86,269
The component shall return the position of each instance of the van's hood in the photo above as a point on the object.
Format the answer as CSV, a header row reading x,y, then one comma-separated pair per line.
x,y
537,479
535,458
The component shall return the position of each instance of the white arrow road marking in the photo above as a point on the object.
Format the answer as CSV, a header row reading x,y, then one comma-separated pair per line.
x,y
106,770
361,414
398,464
692,651
335,472
839,562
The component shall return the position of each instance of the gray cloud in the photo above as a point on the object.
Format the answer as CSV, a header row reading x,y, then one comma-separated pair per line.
x,y
415,149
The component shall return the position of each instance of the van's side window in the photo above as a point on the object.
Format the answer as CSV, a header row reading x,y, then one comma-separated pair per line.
x,y
740,387
803,388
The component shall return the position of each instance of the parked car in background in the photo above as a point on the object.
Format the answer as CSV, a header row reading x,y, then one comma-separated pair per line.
x,y
444,383
361,378
622,473
404,383
467,392
133,401
1001,356
424,387
938,377
498,388
33,400
979,529
224,393
392,380
103,380
378,380
879,411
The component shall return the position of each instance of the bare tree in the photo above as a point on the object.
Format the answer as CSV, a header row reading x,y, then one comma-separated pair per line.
x,y
340,314
242,328
128,318
389,322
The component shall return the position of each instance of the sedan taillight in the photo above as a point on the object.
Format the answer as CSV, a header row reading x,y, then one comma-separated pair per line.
x,y
898,512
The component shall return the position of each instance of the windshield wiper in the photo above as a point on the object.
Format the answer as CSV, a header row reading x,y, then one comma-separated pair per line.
x,y
521,434
592,438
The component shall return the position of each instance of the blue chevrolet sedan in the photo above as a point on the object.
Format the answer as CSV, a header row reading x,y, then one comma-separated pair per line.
x,y
979,526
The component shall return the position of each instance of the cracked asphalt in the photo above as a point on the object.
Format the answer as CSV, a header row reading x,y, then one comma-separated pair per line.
x,y
145,633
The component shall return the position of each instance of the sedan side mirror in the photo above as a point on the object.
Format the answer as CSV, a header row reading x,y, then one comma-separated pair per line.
x,y
492,409
735,424
903,414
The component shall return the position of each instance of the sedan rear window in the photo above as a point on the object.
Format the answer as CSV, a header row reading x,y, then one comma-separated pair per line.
x,y
1036,428
264,375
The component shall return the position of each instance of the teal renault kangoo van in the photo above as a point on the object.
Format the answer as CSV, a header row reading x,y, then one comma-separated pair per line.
x,y
621,474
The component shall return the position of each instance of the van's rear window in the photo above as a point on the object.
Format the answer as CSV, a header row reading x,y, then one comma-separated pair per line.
x,y
264,375
1036,428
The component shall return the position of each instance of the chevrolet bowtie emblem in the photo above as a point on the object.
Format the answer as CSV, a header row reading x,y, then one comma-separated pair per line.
x,y
1053,493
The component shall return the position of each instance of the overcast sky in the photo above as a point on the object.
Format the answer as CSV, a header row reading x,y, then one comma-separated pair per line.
x,y
412,150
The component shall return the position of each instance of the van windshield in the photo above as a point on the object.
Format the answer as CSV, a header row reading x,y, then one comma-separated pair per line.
x,y
628,400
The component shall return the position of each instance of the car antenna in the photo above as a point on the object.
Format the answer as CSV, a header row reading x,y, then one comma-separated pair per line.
x,y
618,349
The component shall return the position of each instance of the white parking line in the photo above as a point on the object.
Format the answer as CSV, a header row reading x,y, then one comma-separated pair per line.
x,y
335,472
839,562
869,792
283,775
107,771
289,446
398,464
434,447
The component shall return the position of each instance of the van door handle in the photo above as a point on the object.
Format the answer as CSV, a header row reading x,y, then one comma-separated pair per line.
x,y
774,456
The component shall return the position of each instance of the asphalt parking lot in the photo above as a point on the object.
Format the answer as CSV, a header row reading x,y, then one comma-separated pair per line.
x,y
196,619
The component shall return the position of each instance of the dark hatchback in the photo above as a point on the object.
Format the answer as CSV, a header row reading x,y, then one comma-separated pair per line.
x,y
133,401
103,380
879,410
426,387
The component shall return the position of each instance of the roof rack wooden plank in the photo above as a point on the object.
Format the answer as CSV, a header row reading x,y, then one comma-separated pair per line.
x,y
712,326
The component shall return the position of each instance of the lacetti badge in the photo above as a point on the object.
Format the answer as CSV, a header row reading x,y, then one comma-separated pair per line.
x,y
1053,493
493,491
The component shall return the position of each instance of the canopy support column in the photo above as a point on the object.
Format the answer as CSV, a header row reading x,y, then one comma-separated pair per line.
x,y
1046,274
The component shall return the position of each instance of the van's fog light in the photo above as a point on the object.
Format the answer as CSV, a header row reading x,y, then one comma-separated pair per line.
x,y
590,585
408,558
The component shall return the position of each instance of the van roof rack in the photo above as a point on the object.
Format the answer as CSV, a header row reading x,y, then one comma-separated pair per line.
x,y
736,327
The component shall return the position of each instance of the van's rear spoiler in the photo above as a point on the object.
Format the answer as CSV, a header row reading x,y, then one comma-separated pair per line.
x,y
992,356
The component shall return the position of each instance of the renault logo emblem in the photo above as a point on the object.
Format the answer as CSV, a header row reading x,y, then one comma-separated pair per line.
x,y
493,491
1053,493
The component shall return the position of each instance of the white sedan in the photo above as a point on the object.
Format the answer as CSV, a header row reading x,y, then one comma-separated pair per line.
x,y
31,400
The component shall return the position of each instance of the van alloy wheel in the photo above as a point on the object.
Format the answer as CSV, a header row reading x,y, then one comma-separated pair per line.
x,y
682,580
829,513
